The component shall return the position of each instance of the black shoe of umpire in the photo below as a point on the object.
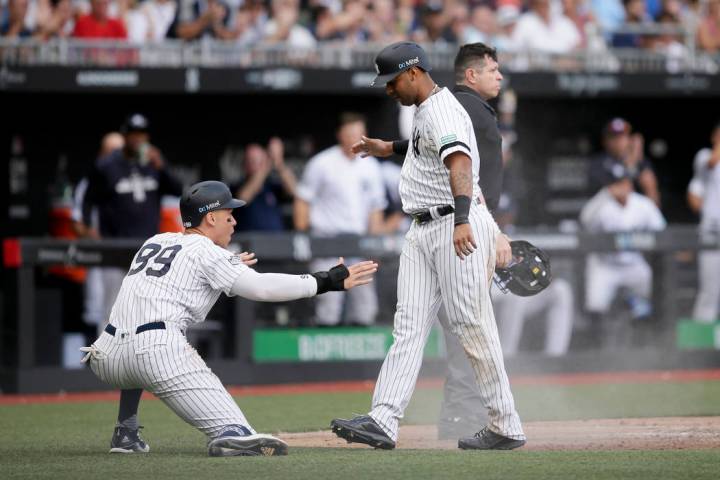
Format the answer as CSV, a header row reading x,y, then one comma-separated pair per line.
x,y
362,429
452,428
486,439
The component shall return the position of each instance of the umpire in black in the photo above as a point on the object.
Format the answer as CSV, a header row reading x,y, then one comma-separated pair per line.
x,y
477,80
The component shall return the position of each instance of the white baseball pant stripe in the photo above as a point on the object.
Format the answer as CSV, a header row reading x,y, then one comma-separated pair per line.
x,y
165,364
430,272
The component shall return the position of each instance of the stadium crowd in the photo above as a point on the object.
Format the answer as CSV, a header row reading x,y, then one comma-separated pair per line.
x,y
552,26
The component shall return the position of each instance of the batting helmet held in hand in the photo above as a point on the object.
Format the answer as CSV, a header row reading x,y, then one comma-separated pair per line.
x,y
529,272
205,197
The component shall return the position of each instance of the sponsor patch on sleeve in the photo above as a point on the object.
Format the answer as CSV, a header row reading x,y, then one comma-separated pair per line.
x,y
448,139
235,259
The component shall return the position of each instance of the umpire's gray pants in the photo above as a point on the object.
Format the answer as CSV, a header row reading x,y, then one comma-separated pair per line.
x,y
461,394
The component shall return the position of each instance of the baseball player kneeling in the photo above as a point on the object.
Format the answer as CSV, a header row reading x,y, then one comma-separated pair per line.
x,y
173,282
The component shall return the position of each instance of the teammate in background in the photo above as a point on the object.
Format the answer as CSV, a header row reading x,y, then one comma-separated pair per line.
x,y
704,198
125,188
94,309
342,193
173,282
555,304
617,208
261,191
622,147
441,260
478,80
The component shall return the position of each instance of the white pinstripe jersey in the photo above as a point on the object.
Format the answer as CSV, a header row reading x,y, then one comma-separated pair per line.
x,y
441,126
175,278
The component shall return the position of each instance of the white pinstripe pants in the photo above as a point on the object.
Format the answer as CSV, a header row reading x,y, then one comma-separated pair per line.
x,y
430,272
165,364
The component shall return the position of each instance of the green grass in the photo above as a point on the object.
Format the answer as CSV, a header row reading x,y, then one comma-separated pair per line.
x,y
69,440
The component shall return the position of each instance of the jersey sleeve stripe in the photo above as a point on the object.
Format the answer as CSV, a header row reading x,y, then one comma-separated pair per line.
x,y
454,144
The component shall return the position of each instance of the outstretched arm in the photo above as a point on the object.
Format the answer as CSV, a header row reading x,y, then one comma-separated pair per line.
x,y
280,287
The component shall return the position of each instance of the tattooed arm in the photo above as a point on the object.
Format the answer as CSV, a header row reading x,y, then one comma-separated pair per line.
x,y
461,184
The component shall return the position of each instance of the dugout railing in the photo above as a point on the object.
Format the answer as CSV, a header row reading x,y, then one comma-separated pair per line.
x,y
25,257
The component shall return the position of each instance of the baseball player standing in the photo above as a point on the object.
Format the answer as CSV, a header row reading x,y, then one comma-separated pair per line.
x,y
173,282
704,197
478,79
441,260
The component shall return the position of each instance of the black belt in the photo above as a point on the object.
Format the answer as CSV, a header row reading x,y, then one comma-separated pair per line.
x,y
426,216
148,326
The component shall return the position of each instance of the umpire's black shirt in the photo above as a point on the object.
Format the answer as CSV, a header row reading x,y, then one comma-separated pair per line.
x,y
127,196
489,142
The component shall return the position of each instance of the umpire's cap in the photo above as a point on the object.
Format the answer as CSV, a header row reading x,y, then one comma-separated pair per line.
x,y
137,122
205,197
396,58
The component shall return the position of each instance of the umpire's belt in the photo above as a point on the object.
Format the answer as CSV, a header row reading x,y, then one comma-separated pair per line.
x,y
148,326
432,213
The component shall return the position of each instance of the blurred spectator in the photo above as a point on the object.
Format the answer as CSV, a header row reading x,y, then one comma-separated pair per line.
x,y
617,208
458,19
342,193
262,191
507,17
610,14
541,30
126,188
708,34
347,25
622,147
250,22
434,25
670,44
98,24
483,26
199,18
59,23
284,26
691,14
704,198
635,15
383,23
12,23
578,12
654,7
150,20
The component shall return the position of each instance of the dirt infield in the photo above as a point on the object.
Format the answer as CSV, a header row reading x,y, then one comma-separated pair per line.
x,y
669,433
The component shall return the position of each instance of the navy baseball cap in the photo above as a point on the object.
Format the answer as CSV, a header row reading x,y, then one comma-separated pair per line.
x,y
137,122
396,58
614,172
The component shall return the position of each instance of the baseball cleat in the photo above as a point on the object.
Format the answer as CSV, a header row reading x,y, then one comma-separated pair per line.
x,y
125,440
486,439
362,429
232,444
